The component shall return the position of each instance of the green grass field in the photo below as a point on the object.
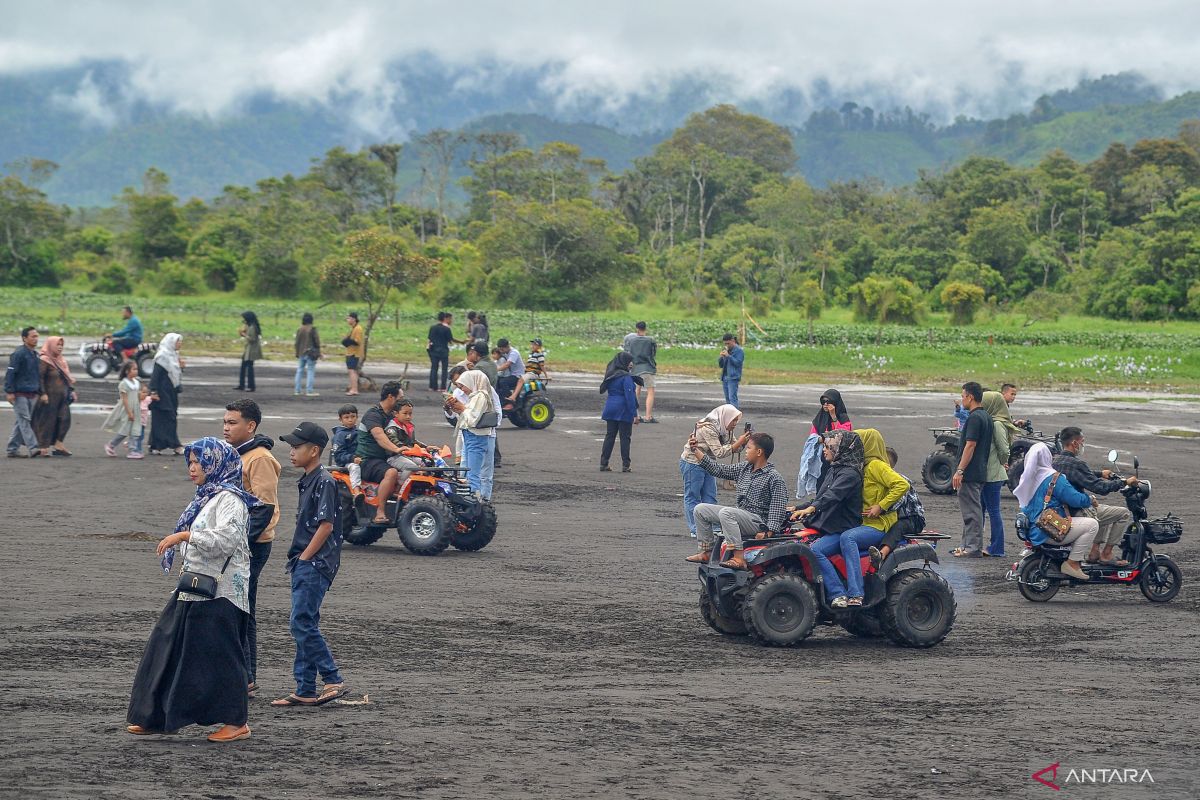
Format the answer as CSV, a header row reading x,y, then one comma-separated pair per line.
x,y
1073,351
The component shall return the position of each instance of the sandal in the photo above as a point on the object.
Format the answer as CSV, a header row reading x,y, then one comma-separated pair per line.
x,y
839,602
962,552
294,699
700,558
251,688
331,692
854,602
1113,562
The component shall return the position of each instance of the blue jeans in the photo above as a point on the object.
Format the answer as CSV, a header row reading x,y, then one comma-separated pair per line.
x,y
991,507
312,654
23,425
730,388
480,451
850,545
698,487
302,364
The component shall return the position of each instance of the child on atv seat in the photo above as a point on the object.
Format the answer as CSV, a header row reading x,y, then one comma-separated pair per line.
x,y
345,436
910,517
400,432
535,367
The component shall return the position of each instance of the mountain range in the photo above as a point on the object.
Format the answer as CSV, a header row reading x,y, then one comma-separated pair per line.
x,y
104,139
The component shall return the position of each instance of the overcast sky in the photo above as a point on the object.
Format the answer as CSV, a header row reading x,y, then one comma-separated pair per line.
x,y
961,56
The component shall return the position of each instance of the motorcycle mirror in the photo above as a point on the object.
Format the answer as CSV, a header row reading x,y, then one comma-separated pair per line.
x,y
1135,464
1112,456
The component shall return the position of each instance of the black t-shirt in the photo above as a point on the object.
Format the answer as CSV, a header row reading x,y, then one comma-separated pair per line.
x,y
440,337
367,446
978,429
318,503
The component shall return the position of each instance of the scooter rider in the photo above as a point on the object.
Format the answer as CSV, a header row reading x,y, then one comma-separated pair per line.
x,y
130,335
1113,520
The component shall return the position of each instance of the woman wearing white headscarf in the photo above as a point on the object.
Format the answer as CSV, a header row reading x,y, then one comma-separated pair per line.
x,y
164,397
478,419
714,434
1031,493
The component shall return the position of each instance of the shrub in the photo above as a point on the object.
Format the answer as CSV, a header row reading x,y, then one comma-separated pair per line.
x,y
879,300
963,300
113,279
174,277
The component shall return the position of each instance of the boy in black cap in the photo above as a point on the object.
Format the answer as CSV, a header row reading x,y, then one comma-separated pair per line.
x,y
313,561
535,367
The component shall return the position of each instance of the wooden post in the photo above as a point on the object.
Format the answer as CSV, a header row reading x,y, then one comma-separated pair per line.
x,y
62,315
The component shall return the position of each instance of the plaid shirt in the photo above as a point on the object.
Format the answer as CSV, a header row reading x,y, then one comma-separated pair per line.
x,y
759,491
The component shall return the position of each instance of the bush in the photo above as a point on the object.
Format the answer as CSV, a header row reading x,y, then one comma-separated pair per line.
x,y
881,300
113,279
174,277
963,300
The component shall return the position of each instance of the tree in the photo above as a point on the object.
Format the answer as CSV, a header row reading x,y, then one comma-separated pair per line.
x,y
728,131
963,300
30,229
374,264
997,236
882,300
389,156
156,229
439,154
809,299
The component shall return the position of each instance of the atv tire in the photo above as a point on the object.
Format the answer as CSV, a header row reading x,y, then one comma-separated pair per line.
x,y
729,626
97,366
780,609
426,525
864,623
480,532
516,415
919,608
363,535
538,411
145,366
938,472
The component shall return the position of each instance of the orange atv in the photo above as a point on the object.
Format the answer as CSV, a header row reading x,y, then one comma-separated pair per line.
x,y
433,509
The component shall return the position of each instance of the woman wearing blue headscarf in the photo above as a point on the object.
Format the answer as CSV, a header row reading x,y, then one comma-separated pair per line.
x,y
194,669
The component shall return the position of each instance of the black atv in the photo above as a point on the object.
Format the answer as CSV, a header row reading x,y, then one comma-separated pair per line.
x,y
939,467
532,408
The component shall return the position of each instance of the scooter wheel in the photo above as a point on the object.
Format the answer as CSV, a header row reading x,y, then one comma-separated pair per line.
x,y
1161,580
1033,583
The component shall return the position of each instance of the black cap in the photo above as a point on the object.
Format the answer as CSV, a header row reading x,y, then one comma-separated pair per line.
x,y
307,433
503,343
480,348
538,342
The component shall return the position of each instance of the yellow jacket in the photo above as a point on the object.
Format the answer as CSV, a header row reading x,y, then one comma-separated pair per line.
x,y
882,485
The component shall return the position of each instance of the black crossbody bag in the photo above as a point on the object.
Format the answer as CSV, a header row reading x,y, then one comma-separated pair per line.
x,y
199,583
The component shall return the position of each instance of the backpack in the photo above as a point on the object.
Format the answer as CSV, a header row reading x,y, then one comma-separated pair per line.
x,y
910,506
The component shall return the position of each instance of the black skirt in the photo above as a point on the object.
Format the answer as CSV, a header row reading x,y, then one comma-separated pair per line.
x,y
194,669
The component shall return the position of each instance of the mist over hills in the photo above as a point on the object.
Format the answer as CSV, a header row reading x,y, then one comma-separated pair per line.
x,y
104,137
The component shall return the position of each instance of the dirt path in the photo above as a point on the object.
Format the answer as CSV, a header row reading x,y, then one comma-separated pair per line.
x,y
568,658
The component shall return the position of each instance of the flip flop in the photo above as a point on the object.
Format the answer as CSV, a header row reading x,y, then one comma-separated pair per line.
x,y
294,699
331,692
961,552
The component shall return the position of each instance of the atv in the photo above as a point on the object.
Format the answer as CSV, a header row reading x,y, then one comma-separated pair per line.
x,y
532,408
939,467
780,598
432,510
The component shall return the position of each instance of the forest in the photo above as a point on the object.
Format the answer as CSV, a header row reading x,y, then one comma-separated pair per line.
x,y
716,215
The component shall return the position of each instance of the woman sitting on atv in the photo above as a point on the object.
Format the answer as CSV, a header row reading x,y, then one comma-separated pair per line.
x,y
837,506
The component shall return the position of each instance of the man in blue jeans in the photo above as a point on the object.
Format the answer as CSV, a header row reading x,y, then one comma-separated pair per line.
x,y
23,389
313,561
730,362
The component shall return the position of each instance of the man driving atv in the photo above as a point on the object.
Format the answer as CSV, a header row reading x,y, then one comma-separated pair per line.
x,y
762,498
1113,520
128,336
374,447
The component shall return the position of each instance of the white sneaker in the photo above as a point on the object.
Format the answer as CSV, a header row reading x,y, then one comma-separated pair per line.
x,y
134,454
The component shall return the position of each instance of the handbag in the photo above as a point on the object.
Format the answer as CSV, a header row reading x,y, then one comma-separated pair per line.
x,y
348,342
200,584
1055,525
260,518
488,419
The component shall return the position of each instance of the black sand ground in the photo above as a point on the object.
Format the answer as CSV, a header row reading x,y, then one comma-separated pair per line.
x,y
568,658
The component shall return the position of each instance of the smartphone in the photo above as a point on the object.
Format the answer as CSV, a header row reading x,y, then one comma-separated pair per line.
x,y
748,427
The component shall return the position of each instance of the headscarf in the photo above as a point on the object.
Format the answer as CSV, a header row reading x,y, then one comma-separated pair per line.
x,y
995,405
1038,467
822,421
847,450
167,357
874,447
57,360
620,365
722,417
481,398
222,467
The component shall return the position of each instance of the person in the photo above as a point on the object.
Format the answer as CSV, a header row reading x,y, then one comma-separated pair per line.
x,y
313,561
130,334
510,367
356,351
23,388
52,416
125,421
374,448
477,358
761,501
252,351
471,317
193,671
1009,392
535,368
308,353
714,434
260,477
832,415
441,336
345,435
477,420
644,350
974,444
837,506
620,412
479,331
164,396
1112,521
1039,479
997,468
910,517
882,490
730,361
402,433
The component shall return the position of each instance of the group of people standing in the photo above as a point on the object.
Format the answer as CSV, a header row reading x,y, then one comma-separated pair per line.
x,y
41,389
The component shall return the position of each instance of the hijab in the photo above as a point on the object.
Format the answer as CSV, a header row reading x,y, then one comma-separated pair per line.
x,y
874,447
620,365
1037,468
847,450
57,360
822,421
721,418
481,399
222,467
995,405
167,357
